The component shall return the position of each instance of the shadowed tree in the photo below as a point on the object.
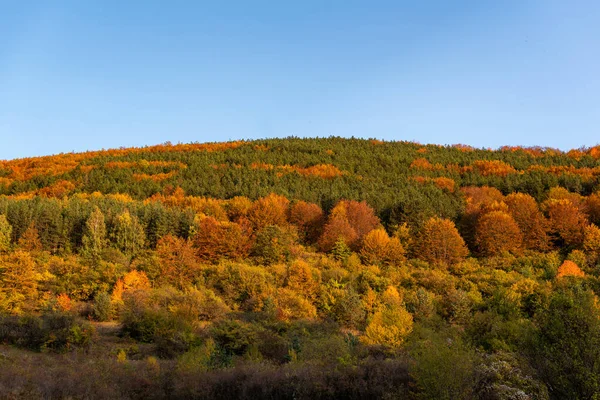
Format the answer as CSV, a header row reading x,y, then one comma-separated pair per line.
x,y
567,223
591,243
526,213
308,217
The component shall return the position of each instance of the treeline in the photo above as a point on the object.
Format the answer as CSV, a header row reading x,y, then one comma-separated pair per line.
x,y
390,176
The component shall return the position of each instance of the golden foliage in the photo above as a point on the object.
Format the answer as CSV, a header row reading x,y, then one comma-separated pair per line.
x,y
379,248
493,167
215,240
269,210
440,243
388,327
497,232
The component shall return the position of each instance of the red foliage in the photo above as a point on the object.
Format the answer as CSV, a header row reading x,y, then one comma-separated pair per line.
x,y
308,217
360,216
337,228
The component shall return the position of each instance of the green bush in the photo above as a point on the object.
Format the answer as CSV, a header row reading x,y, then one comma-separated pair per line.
x,y
54,332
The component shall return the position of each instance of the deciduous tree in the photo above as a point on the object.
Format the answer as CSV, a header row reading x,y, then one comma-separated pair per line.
x,y
5,234
534,226
308,217
94,237
215,240
567,222
497,232
128,234
440,243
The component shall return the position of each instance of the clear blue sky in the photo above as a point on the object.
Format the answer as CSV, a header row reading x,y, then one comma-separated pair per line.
x,y
78,75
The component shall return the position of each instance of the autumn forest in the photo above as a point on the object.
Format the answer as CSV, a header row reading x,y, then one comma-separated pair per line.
x,y
323,268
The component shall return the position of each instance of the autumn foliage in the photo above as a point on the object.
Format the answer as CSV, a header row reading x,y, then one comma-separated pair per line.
x,y
379,248
440,243
532,223
496,233
567,222
215,240
308,218
351,273
569,268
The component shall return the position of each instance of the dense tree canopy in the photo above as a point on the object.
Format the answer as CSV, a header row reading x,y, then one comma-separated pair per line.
x,y
307,268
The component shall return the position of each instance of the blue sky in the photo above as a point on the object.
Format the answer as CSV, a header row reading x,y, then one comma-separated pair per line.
x,y
79,75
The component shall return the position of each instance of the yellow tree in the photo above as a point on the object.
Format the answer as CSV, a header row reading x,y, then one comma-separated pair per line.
x,y
18,283
269,210
30,240
301,280
129,234
440,243
5,234
389,327
379,248
133,280
591,243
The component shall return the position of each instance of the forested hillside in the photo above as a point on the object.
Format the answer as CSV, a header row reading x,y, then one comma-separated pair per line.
x,y
304,268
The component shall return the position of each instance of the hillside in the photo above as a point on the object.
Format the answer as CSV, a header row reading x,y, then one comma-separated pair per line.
x,y
314,268
388,175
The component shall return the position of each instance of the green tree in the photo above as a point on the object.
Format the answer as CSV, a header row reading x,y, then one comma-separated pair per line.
x,y
566,348
128,234
94,238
